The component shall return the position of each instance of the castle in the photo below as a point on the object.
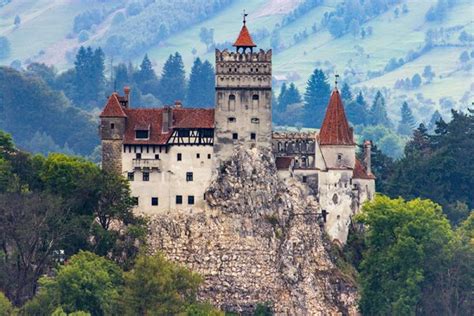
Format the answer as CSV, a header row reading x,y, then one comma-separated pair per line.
x,y
170,154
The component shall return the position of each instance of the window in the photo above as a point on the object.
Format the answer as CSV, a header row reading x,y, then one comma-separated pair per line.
x,y
255,97
154,201
207,133
253,136
179,157
157,156
135,200
339,157
131,176
255,101
208,156
179,199
112,125
190,199
189,176
138,156
198,156
235,136
305,179
141,134
146,176
231,102
183,133
231,120
255,120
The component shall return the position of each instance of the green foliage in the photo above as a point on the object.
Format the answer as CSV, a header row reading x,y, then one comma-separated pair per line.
x,y
28,105
263,310
389,142
155,286
173,82
201,85
357,112
378,112
407,122
6,308
89,76
408,246
316,98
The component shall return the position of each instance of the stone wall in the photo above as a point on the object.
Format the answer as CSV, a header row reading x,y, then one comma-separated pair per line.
x,y
257,241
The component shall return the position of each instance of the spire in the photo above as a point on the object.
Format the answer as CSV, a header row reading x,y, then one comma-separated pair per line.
x,y
244,40
113,108
335,129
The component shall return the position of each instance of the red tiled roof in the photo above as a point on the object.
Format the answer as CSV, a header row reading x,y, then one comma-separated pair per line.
x,y
244,39
182,118
335,129
360,172
283,163
113,107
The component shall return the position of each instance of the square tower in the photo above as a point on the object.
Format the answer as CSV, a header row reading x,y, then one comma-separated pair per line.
x,y
243,113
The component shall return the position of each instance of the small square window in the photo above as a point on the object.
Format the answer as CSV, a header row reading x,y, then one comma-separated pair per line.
x,y
141,134
135,200
253,136
198,156
179,157
255,120
189,176
190,199
339,156
138,156
146,176
112,125
157,156
179,199
154,201
305,179
231,120
131,176
208,156
235,136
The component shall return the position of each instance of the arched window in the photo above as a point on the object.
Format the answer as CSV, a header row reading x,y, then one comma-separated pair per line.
x,y
255,101
232,102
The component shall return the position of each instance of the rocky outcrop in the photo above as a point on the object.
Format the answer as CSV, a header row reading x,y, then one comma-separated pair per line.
x,y
258,241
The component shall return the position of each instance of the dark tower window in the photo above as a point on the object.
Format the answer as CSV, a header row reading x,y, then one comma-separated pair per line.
x,y
140,134
179,157
255,120
231,102
179,199
255,101
253,136
154,201
189,176
138,156
146,176
231,119
112,125
190,199
235,136
131,176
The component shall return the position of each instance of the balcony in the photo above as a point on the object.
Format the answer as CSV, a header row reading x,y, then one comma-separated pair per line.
x,y
146,164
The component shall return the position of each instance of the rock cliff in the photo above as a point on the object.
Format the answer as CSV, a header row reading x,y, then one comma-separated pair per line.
x,y
258,241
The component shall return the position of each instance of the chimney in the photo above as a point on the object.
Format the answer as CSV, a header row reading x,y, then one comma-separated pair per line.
x,y
367,156
167,119
178,104
126,90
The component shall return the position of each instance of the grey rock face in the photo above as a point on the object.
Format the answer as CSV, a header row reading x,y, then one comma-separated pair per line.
x,y
259,241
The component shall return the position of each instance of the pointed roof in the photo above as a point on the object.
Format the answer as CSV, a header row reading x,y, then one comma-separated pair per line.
x,y
113,107
335,129
360,172
244,39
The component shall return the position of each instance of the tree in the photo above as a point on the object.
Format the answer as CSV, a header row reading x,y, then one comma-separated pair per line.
x,y
435,118
156,285
378,111
121,77
89,76
346,93
357,112
407,122
173,82
6,307
428,74
336,26
146,72
407,246
87,283
464,57
416,81
4,47
43,71
201,84
316,98
17,21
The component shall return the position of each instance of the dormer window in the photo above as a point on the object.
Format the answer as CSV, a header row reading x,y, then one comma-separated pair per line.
x,y
141,134
339,157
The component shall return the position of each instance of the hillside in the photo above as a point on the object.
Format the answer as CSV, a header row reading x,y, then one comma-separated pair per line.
x,y
398,29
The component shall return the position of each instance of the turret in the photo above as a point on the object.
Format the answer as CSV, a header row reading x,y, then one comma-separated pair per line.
x,y
112,130
243,97
367,156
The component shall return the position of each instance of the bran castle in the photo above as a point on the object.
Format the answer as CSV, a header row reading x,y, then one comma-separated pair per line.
x,y
170,154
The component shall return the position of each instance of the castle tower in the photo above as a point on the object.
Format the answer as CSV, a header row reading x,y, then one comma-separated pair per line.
x,y
112,130
336,137
243,96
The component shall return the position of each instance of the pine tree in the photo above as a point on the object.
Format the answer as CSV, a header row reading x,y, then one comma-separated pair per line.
x,y
194,87
378,112
146,72
436,117
357,112
208,84
407,122
121,77
201,84
281,103
346,93
292,95
173,81
98,77
316,98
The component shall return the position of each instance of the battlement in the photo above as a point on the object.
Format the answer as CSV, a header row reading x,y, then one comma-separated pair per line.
x,y
260,56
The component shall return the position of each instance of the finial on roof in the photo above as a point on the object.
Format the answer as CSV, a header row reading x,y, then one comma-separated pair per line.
x,y
337,78
245,15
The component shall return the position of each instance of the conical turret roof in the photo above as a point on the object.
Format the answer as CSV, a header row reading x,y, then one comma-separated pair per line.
x,y
244,39
335,129
113,108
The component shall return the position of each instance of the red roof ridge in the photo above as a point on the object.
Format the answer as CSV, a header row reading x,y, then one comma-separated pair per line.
x,y
113,107
335,129
244,39
360,172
